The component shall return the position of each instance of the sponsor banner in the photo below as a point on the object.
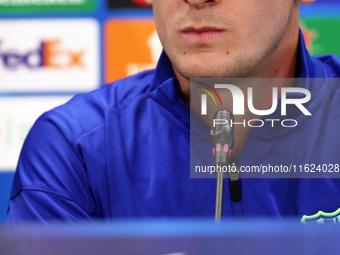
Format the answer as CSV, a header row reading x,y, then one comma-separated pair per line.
x,y
321,35
16,118
49,55
131,46
114,4
46,5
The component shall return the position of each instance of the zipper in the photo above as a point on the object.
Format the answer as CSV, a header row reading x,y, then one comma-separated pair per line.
x,y
235,190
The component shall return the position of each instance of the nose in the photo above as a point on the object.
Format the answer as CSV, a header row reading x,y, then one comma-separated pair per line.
x,y
200,3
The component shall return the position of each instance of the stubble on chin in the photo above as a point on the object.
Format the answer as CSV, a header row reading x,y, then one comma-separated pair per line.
x,y
239,67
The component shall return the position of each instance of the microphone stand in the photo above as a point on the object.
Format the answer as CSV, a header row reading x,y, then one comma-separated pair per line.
x,y
219,196
234,185
221,141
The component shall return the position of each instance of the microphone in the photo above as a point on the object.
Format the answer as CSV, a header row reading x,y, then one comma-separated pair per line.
x,y
221,141
222,136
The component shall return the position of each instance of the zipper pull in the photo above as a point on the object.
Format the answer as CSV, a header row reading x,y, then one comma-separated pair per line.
x,y
235,183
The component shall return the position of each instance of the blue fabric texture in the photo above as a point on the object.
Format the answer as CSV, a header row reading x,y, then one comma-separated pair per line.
x,y
123,151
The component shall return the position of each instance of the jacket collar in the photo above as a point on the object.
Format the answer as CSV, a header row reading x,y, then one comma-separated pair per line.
x,y
165,89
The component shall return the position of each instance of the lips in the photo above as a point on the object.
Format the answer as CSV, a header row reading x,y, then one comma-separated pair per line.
x,y
201,30
202,34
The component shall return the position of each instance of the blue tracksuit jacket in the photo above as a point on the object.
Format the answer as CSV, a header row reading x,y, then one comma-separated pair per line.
x,y
122,151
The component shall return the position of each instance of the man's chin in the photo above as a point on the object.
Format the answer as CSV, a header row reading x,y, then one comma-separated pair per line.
x,y
198,68
202,73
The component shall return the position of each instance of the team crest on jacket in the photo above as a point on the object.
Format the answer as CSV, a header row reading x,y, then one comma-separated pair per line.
x,y
322,217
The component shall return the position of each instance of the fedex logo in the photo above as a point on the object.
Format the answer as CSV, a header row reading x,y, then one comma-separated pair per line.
x,y
47,54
